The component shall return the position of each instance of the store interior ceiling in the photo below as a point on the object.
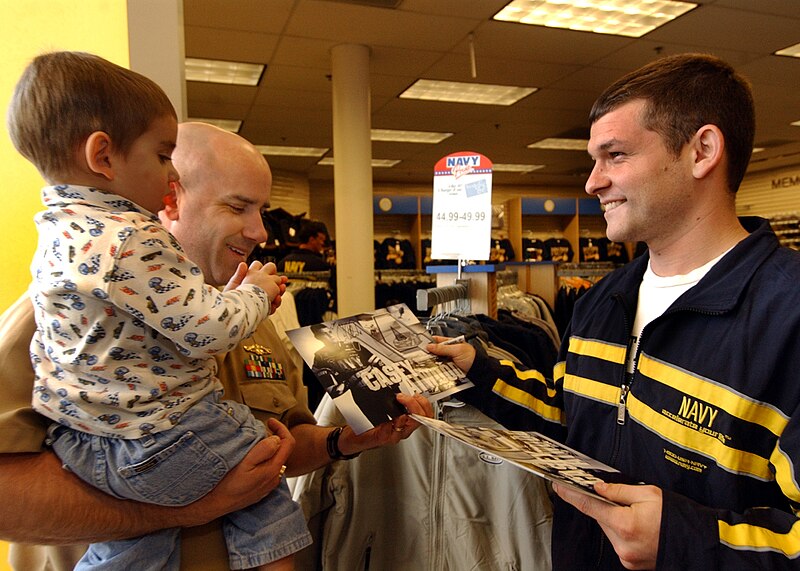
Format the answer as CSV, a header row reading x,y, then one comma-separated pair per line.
x,y
436,39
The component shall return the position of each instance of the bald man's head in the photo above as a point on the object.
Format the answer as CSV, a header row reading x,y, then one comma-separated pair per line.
x,y
224,187
207,152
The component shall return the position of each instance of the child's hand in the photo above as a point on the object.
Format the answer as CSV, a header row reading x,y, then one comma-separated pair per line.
x,y
237,277
266,277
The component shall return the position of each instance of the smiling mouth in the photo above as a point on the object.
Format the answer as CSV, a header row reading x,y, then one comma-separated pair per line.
x,y
238,251
608,206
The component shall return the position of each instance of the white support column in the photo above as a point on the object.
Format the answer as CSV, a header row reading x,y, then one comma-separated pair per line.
x,y
352,179
155,32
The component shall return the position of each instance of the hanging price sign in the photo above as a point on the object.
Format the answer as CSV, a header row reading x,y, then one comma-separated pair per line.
x,y
462,207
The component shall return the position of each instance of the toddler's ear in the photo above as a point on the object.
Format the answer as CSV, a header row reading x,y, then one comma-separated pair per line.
x,y
97,152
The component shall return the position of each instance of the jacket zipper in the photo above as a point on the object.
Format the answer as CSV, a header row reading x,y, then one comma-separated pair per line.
x,y
622,403
627,378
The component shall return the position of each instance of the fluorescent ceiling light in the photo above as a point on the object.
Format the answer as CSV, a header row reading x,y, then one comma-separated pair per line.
x,y
232,125
376,163
795,123
560,144
522,169
393,135
792,51
758,149
217,71
279,151
632,18
460,92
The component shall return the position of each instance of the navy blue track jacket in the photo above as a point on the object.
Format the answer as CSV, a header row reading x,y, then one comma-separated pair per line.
x,y
711,414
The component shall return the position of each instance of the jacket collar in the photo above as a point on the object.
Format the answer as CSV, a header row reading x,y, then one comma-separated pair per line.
x,y
721,289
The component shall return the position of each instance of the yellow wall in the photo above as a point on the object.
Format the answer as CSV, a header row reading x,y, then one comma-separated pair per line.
x,y
29,27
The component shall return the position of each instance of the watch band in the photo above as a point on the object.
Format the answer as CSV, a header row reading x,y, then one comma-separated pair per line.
x,y
332,443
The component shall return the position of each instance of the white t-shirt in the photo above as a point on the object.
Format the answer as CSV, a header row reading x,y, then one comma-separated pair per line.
x,y
657,294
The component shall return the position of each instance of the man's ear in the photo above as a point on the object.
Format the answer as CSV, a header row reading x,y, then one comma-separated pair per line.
x,y
97,152
708,147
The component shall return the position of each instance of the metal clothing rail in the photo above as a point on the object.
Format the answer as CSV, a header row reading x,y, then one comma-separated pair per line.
x,y
427,298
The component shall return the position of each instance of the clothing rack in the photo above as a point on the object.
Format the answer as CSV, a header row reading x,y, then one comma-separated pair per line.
x,y
427,298
585,270
539,278
403,276
507,278
481,291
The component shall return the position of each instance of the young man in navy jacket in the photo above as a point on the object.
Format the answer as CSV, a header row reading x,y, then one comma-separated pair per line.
x,y
679,369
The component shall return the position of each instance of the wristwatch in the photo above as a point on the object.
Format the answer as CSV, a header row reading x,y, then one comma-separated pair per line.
x,y
332,444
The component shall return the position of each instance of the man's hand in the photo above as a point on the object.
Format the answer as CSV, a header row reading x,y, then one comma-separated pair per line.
x,y
389,432
633,528
312,453
258,473
462,354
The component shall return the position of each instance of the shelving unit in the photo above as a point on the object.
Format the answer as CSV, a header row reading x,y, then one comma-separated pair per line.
x,y
542,216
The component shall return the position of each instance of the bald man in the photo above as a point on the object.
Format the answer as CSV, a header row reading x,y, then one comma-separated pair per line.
x,y
215,214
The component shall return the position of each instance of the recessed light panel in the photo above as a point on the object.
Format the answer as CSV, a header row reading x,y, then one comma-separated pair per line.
x,y
792,51
522,169
376,163
280,151
397,136
461,92
561,144
631,18
218,71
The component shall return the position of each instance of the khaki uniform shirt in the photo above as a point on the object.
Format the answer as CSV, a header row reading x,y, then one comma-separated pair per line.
x,y
23,430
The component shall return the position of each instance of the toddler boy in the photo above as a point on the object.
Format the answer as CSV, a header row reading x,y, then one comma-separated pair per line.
x,y
126,325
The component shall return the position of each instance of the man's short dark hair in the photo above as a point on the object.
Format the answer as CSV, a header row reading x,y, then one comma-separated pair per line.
x,y
684,92
309,229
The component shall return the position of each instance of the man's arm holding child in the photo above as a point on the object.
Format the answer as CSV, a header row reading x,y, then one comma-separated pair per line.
x,y
43,503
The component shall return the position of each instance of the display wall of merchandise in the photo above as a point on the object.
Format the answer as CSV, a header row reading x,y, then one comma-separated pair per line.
x,y
768,194
408,217
787,228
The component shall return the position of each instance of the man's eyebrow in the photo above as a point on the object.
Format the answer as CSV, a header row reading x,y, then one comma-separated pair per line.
x,y
248,200
241,198
605,146
610,143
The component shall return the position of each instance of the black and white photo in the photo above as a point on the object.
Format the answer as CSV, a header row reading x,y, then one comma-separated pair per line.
x,y
365,360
